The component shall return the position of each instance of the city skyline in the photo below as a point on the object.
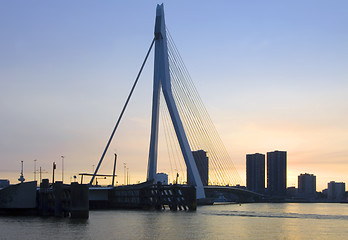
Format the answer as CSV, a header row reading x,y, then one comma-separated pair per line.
x,y
276,83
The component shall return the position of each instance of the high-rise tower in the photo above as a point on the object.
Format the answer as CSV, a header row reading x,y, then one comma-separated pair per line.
x,y
255,172
307,185
202,162
276,173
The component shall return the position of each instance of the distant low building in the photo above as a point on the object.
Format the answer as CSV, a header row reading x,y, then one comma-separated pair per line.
x,y
291,192
336,191
162,178
307,186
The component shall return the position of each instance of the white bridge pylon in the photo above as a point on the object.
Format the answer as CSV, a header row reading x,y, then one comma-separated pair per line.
x,y
162,81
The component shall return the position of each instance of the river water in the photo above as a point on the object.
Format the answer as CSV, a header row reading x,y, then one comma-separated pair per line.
x,y
246,221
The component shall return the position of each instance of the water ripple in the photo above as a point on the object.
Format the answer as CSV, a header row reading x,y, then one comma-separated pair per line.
x,y
277,215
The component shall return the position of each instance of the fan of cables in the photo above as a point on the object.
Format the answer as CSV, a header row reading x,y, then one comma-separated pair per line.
x,y
199,128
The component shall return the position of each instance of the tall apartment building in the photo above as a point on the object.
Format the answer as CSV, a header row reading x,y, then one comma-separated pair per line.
x,y
255,172
276,173
336,191
307,185
202,162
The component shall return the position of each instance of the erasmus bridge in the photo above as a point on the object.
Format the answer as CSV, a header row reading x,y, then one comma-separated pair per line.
x,y
187,125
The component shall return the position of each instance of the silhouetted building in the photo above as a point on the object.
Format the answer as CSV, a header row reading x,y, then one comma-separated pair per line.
x,y
4,183
276,173
291,192
255,172
336,191
307,185
202,162
162,178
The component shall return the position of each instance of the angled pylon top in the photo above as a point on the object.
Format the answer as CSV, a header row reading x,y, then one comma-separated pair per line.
x,y
160,25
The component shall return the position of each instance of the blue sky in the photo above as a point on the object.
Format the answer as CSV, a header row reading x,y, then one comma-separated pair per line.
x,y
272,74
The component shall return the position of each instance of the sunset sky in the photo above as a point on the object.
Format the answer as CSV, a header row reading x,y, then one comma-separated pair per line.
x,y
272,74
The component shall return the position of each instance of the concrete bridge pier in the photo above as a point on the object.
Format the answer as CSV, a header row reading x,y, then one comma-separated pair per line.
x,y
79,201
58,189
43,198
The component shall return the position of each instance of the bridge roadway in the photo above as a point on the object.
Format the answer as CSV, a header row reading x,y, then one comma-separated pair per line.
x,y
230,194
213,193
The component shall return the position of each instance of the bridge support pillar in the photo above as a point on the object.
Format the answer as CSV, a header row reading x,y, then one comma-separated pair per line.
x,y
79,200
162,80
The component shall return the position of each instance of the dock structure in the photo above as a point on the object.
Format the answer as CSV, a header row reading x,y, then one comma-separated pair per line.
x,y
18,199
75,200
62,200
57,199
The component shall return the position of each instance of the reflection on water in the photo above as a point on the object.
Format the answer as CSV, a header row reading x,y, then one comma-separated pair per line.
x,y
248,221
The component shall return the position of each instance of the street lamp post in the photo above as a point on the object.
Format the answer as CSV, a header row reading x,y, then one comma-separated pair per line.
x,y
127,177
124,172
35,170
40,173
62,168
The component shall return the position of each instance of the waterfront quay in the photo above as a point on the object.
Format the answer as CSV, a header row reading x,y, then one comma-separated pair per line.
x,y
75,200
